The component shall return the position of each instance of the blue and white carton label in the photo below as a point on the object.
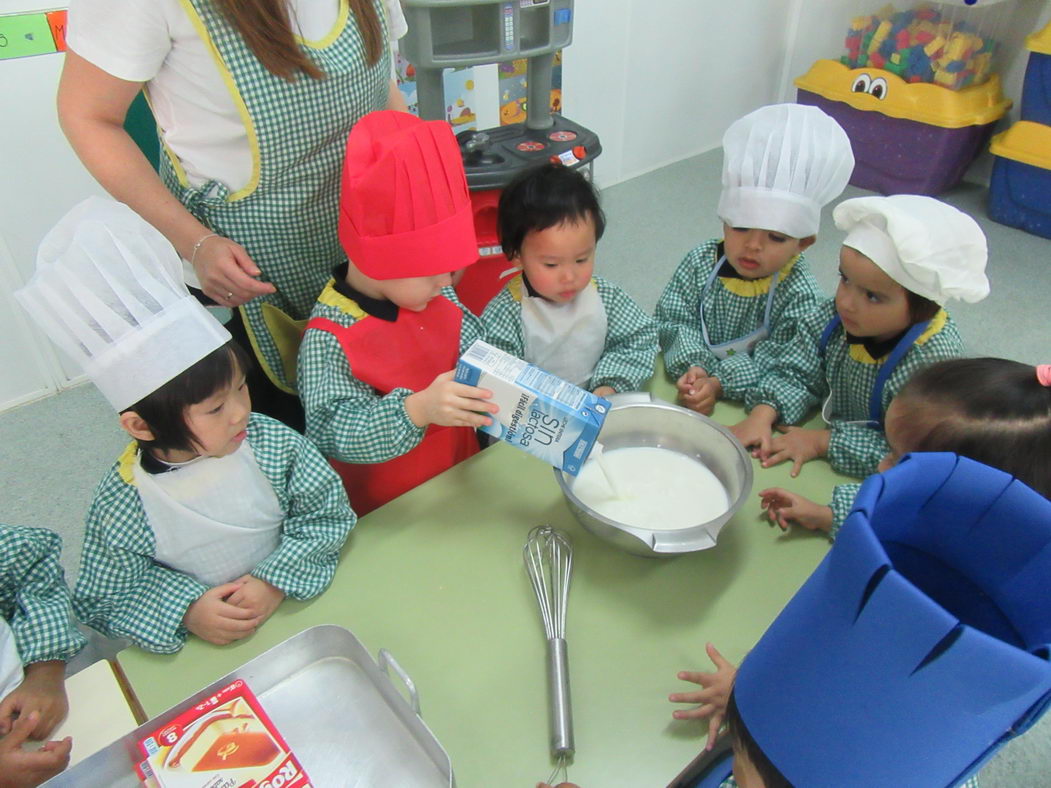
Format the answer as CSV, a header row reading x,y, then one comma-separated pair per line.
x,y
539,413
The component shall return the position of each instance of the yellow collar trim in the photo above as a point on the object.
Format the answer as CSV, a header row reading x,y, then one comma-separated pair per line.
x,y
333,298
862,356
334,33
750,288
126,462
242,109
516,287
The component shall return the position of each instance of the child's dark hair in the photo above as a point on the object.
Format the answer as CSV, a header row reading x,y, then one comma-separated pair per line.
x,y
164,410
992,410
744,742
542,197
920,308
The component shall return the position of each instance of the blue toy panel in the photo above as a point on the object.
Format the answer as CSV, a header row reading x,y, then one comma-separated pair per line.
x,y
923,633
1036,90
1020,196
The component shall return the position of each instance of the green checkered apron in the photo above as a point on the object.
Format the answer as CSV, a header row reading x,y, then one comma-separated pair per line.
x,y
286,216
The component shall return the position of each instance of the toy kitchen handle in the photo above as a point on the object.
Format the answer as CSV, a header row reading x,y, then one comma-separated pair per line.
x,y
386,660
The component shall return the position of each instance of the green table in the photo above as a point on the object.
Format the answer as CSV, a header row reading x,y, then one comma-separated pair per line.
x,y
437,577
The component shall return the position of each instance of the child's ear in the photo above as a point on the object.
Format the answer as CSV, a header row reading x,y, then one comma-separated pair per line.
x,y
135,426
806,243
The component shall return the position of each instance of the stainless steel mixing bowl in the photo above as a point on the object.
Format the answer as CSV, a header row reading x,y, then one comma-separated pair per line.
x,y
640,419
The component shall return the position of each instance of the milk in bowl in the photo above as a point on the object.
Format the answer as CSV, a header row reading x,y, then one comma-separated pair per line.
x,y
650,487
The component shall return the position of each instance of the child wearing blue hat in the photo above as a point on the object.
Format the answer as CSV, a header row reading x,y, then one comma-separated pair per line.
x,y
992,410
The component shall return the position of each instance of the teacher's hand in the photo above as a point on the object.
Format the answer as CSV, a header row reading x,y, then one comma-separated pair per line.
x,y
227,273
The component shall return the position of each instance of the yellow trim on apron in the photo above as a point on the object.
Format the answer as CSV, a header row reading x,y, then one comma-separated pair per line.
x,y
515,286
126,462
287,334
862,356
333,298
750,288
334,33
242,108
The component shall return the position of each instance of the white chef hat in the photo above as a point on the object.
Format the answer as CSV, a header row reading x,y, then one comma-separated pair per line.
x,y
923,244
108,290
781,165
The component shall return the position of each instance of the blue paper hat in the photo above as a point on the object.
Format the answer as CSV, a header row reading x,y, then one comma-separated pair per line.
x,y
920,644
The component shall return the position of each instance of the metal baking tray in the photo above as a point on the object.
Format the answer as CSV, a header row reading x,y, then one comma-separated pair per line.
x,y
335,706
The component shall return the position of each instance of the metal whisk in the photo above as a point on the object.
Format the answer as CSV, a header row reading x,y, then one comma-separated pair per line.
x,y
548,558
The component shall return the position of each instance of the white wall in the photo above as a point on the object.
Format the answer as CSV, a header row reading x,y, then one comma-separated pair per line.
x,y
660,80
43,179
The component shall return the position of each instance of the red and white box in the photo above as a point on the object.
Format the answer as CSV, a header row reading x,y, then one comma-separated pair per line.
x,y
226,741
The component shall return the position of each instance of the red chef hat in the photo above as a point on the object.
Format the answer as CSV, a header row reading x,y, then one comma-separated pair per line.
x,y
404,208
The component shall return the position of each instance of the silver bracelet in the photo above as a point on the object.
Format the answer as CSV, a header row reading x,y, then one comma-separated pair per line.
x,y
197,246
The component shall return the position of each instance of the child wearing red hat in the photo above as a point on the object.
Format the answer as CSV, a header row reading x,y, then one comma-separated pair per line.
x,y
377,359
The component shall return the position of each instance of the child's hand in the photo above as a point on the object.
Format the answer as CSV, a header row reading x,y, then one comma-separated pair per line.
x,y
797,444
43,691
755,430
214,619
689,378
604,391
784,507
256,596
450,404
28,768
703,395
889,461
712,698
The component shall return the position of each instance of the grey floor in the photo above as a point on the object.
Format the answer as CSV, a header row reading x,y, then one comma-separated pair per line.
x,y
56,450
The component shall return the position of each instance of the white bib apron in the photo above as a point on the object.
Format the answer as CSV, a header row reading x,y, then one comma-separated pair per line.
x,y
214,519
10,663
566,340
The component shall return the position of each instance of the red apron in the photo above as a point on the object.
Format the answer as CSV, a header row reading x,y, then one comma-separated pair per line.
x,y
408,353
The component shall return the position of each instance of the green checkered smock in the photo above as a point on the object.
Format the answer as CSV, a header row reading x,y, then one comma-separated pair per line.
x,y
631,335
122,592
843,496
733,308
347,418
286,217
34,598
802,378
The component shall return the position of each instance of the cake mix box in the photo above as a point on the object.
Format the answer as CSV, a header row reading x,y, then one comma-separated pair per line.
x,y
225,741
539,413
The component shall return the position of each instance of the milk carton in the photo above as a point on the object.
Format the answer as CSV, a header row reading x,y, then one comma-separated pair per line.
x,y
539,413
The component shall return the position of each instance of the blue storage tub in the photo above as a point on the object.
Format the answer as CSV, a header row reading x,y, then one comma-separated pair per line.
x,y
1036,90
1020,190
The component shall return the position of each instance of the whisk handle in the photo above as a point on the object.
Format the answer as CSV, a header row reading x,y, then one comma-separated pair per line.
x,y
559,708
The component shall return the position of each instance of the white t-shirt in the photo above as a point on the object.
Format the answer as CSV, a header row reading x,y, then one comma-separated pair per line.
x,y
153,41
10,662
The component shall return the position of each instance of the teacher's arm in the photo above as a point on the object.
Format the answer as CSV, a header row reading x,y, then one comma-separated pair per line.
x,y
92,105
395,98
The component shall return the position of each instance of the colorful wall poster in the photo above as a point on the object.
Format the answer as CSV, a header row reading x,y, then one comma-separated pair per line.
x,y
459,93
513,91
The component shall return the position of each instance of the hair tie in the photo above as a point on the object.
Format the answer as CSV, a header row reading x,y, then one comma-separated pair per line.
x,y
1043,374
